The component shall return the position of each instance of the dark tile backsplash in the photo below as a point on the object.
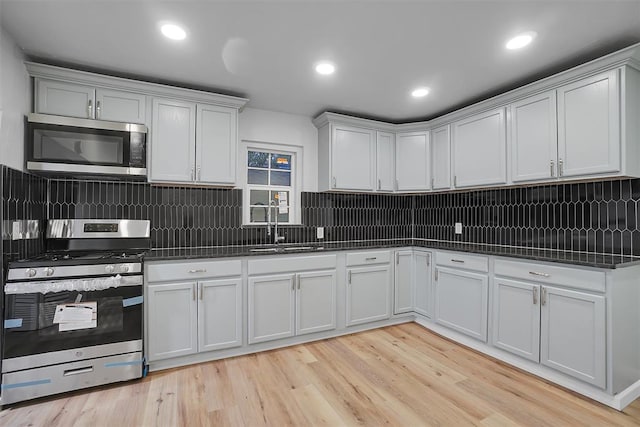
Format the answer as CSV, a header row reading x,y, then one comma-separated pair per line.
x,y
596,217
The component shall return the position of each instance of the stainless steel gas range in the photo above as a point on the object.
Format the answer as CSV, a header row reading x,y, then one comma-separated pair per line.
x,y
73,316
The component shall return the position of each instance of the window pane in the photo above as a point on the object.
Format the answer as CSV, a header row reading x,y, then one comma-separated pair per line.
x,y
281,161
258,214
256,176
281,178
259,197
257,159
283,217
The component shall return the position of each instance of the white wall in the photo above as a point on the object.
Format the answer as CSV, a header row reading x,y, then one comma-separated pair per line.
x,y
15,95
281,128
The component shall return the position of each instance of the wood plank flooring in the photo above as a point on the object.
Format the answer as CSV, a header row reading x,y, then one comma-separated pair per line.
x,y
397,376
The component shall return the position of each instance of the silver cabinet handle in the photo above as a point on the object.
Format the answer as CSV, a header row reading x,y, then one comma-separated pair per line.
x,y
199,270
543,296
535,296
397,184
199,173
293,283
397,258
97,109
193,291
551,169
560,167
379,184
349,277
192,174
455,180
334,182
90,109
78,371
436,274
201,291
459,261
535,273
428,260
298,279
372,258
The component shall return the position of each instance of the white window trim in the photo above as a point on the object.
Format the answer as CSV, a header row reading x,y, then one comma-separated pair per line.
x,y
296,151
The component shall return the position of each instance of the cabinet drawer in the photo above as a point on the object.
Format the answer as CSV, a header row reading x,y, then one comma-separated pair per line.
x,y
194,270
282,264
589,280
364,258
468,262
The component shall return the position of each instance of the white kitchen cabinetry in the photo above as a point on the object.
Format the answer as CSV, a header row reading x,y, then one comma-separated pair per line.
x,y
191,310
423,284
563,329
534,138
352,158
292,301
589,126
479,150
193,143
385,161
413,172
461,293
77,100
441,158
403,295
368,287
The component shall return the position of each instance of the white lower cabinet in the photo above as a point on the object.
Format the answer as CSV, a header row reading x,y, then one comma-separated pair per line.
x,y
423,284
403,287
368,294
190,317
282,306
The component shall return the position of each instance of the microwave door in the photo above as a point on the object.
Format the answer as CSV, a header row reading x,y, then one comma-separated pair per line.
x,y
78,148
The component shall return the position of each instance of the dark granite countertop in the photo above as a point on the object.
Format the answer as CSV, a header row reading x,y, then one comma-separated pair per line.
x,y
548,255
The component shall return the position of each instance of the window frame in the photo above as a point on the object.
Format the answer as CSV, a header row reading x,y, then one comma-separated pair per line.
x,y
296,153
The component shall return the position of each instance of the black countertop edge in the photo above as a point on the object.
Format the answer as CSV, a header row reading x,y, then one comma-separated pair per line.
x,y
547,255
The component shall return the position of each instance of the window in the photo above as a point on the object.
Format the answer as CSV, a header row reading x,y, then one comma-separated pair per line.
x,y
271,183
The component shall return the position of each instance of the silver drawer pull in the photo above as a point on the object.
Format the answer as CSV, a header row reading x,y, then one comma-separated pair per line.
x,y
535,273
457,260
373,258
199,270
78,371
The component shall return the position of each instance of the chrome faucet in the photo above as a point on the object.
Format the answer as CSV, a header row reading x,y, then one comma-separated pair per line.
x,y
276,239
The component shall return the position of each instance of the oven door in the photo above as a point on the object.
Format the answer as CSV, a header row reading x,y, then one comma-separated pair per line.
x,y
67,148
59,315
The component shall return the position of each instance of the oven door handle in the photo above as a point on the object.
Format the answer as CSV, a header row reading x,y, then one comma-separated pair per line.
x,y
83,285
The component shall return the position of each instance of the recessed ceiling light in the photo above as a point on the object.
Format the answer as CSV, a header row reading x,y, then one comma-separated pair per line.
x,y
420,92
325,68
173,32
521,40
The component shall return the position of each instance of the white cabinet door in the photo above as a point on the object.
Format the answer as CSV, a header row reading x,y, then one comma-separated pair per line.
x,y
440,158
461,301
572,339
423,301
120,106
216,144
412,161
172,141
271,308
172,321
479,150
368,294
516,318
534,138
589,126
64,99
403,286
352,158
219,314
385,161
315,302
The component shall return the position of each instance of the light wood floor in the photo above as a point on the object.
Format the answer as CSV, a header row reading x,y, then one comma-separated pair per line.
x,y
400,376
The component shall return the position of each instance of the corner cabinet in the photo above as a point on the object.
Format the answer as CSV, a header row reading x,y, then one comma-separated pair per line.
x,y
441,158
413,171
193,143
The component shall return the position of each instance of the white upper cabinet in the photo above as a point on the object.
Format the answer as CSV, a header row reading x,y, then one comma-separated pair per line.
x,y
352,158
589,126
88,102
534,138
412,161
173,141
479,150
193,143
216,144
441,158
385,161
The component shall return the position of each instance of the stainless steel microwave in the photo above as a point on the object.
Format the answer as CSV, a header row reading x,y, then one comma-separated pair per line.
x,y
60,145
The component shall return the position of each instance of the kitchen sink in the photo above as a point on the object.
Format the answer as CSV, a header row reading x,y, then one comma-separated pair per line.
x,y
286,249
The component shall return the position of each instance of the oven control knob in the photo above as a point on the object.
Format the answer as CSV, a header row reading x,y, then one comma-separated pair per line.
x,y
124,268
48,271
31,272
109,268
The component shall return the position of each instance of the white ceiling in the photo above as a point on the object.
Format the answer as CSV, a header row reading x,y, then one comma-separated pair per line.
x,y
265,50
